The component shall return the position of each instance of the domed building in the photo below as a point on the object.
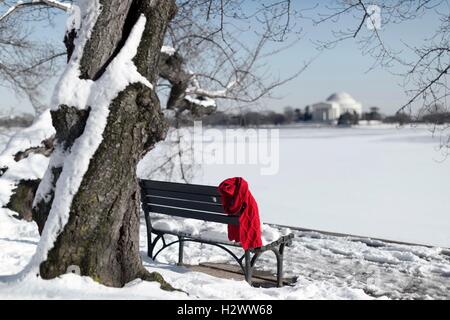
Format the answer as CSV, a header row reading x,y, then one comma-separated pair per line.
x,y
336,105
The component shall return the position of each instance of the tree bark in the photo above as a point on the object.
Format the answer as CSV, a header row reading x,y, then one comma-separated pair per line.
x,y
173,69
22,199
102,234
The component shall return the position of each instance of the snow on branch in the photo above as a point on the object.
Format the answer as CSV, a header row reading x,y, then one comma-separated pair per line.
x,y
212,94
49,3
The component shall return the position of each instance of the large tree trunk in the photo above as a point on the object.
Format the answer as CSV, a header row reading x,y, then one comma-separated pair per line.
x,y
101,236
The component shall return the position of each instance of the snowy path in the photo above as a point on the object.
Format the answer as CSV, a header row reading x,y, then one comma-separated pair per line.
x,y
328,267
377,268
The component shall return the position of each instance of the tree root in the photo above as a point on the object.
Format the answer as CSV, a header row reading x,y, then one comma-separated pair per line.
x,y
146,275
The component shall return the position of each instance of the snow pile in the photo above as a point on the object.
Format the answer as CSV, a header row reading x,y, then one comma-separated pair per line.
x,y
168,50
27,138
18,241
11,228
74,20
32,167
73,287
75,92
201,101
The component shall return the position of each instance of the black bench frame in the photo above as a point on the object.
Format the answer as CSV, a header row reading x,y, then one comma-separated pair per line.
x,y
200,203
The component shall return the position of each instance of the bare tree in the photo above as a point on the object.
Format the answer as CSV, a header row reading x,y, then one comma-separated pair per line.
x,y
219,61
425,75
26,64
215,57
230,70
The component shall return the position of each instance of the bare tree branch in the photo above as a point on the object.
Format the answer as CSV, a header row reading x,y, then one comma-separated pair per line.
x,y
47,3
425,76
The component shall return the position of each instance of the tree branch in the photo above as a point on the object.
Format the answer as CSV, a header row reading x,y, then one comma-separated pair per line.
x,y
49,3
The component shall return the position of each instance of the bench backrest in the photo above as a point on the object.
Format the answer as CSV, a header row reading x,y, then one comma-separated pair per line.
x,y
184,200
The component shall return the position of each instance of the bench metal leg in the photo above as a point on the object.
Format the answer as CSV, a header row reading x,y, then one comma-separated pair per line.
x,y
279,255
149,245
152,244
246,262
148,224
248,268
180,251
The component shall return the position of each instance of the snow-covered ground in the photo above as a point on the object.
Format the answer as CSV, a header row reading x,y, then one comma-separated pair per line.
x,y
381,182
327,267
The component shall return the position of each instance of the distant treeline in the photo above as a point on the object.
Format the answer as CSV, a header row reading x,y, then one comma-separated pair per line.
x,y
434,118
292,116
24,120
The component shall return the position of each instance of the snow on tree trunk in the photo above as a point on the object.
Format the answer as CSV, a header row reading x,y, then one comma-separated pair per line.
x,y
106,117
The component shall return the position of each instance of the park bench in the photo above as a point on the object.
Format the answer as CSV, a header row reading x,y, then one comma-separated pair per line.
x,y
201,203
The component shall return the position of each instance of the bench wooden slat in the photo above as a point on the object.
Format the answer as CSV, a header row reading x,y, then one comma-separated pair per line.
x,y
182,196
198,215
181,187
185,204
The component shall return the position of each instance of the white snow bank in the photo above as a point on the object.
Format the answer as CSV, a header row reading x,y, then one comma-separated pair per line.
x,y
168,50
18,240
74,20
27,138
32,167
70,286
12,228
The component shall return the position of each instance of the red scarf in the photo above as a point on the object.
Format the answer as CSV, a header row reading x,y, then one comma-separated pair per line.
x,y
235,197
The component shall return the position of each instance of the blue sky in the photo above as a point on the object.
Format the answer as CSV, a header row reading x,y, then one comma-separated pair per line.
x,y
343,68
